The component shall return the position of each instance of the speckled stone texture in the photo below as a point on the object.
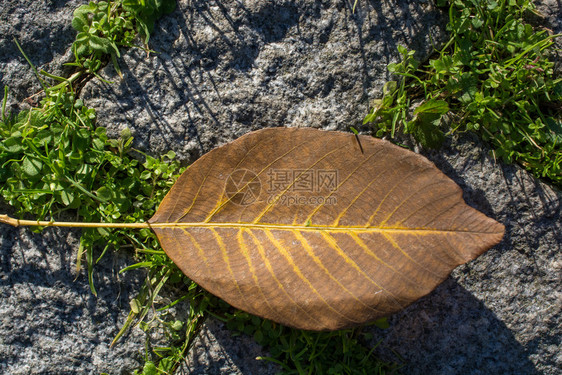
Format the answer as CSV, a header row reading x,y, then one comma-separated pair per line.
x,y
217,351
224,68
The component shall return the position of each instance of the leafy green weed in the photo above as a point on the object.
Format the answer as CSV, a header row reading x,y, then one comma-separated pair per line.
x,y
493,77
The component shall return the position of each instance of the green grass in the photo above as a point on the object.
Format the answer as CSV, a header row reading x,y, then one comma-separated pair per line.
x,y
304,352
493,77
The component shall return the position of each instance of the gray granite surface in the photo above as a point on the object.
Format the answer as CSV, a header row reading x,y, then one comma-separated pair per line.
x,y
50,323
223,68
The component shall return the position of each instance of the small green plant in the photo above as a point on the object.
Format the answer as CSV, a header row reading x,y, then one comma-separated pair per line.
x,y
146,12
179,331
493,77
105,26
102,27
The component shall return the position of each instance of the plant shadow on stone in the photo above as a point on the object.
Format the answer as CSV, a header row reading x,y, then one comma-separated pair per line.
x,y
197,71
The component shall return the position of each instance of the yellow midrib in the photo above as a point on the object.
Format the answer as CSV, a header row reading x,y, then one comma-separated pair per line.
x,y
313,228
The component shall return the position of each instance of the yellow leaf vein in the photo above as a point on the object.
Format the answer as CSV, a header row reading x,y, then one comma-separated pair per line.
x,y
299,273
360,165
318,261
272,272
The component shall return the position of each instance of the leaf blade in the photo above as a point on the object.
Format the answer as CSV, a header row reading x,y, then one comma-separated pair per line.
x,y
334,236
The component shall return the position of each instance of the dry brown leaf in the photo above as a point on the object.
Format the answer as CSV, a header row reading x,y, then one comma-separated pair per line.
x,y
318,230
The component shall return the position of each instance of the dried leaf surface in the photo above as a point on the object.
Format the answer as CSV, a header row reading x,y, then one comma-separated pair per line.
x,y
307,228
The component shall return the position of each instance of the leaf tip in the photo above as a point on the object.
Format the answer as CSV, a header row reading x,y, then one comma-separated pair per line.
x,y
491,237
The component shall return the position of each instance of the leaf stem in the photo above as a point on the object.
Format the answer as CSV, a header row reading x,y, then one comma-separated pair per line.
x,y
16,223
